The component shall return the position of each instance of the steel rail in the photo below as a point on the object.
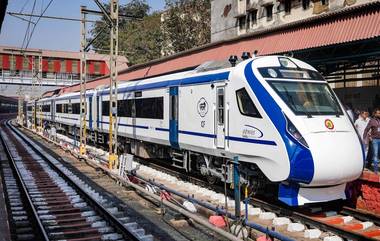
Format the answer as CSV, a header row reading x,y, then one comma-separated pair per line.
x,y
40,227
361,215
95,204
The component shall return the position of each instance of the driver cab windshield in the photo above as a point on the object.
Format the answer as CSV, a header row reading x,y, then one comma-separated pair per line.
x,y
303,90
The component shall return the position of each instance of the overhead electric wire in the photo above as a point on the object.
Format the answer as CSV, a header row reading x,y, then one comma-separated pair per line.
x,y
17,15
23,6
28,27
39,18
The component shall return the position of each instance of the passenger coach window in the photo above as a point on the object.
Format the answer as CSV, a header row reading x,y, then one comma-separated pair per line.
x,y
46,108
75,107
245,104
106,108
58,108
151,108
124,108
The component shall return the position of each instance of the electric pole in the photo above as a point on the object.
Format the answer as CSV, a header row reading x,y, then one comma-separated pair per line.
x,y
112,20
113,125
83,80
20,114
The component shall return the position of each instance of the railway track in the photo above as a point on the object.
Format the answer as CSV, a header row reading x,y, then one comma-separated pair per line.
x,y
48,202
347,223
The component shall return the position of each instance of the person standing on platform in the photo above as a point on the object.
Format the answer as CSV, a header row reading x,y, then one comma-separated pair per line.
x,y
373,127
350,112
360,125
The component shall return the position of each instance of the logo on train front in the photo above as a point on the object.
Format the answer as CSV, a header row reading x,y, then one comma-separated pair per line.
x,y
329,124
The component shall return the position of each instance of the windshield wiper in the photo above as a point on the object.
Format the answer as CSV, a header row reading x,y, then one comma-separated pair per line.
x,y
337,114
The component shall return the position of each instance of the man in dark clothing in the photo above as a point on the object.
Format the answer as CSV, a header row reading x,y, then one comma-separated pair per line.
x,y
373,132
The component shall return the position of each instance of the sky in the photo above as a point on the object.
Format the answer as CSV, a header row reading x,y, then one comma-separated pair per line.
x,y
51,34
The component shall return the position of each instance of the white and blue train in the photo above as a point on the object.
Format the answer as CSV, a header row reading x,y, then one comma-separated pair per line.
x,y
276,113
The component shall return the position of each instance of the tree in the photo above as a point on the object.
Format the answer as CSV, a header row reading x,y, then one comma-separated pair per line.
x,y
135,36
186,24
142,40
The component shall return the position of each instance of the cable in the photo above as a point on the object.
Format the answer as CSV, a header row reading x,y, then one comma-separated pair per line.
x,y
23,7
39,18
28,28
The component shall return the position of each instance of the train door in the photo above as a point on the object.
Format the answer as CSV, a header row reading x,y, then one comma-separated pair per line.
x,y
173,116
220,117
90,112
98,114
52,110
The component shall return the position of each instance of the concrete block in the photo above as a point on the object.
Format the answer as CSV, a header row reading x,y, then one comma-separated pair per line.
x,y
267,216
312,233
242,206
347,219
218,197
208,193
367,224
281,221
254,211
332,238
190,206
231,203
295,227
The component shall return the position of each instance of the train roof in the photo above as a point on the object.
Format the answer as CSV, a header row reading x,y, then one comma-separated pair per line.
x,y
210,68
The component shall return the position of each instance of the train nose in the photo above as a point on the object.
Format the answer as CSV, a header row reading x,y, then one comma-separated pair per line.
x,y
337,156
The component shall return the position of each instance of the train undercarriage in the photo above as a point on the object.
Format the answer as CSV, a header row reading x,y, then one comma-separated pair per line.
x,y
213,168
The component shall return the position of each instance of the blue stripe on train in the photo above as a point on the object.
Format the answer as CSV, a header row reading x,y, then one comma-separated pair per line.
x,y
301,160
202,79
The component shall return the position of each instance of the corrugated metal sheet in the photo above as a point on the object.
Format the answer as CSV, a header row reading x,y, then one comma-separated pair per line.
x,y
347,25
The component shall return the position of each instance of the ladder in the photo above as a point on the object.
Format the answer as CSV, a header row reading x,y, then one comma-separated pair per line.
x,y
180,159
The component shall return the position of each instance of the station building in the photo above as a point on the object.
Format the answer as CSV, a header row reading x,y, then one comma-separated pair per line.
x,y
354,77
46,69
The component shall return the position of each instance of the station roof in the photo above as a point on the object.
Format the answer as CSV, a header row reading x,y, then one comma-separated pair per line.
x,y
350,24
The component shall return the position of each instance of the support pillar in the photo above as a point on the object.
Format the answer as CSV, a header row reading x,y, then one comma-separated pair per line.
x,y
237,186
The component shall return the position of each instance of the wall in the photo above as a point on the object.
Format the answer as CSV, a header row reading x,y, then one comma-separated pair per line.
x,y
223,23
225,14
360,97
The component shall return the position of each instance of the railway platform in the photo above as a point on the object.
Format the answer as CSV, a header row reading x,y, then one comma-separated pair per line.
x,y
366,192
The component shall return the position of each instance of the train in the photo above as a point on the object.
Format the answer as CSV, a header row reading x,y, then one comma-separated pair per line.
x,y
8,105
276,114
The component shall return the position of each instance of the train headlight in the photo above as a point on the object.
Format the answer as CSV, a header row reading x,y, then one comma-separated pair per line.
x,y
293,131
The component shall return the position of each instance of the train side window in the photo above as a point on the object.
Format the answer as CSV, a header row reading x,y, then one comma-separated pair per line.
x,y
220,106
150,108
246,105
58,108
45,108
75,108
106,108
125,107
